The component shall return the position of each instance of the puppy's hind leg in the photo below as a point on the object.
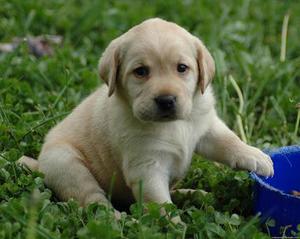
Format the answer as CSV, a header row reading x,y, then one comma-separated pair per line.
x,y
66,174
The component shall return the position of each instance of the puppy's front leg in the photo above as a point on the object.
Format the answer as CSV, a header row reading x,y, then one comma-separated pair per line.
x,y
222,145
151,171
155,187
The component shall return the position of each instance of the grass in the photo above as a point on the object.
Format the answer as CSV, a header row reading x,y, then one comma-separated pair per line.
x,y
257,85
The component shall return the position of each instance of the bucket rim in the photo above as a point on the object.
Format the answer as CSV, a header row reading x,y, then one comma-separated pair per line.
x,y
273,152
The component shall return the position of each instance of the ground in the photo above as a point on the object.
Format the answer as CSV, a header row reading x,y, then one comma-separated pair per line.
x,y
256,90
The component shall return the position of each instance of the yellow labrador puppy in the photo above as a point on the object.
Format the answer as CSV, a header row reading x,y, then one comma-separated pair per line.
x,y
155,111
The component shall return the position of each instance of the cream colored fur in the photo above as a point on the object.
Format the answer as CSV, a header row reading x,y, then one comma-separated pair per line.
x,y
117,132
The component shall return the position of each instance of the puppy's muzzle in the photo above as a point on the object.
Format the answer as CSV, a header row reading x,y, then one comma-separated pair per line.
x,y
166,106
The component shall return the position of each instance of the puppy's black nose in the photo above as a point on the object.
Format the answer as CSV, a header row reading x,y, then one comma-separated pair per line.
x,y
165,102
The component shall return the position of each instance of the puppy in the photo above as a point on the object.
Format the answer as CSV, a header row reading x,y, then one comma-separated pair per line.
x,y
155,111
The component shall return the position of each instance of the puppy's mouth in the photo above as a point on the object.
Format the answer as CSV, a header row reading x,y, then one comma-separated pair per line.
x,y
159,117
161,111
166,115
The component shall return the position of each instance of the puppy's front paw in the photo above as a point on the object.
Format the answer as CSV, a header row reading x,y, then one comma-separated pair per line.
x,y
254,160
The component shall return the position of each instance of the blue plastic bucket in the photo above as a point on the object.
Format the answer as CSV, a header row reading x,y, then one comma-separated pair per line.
x,y
273,196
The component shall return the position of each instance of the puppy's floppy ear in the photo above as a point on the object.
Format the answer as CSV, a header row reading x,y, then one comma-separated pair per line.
x,y
109,65
206,65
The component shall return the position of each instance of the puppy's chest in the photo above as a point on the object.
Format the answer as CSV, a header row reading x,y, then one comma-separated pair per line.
x,y
184,139
169,146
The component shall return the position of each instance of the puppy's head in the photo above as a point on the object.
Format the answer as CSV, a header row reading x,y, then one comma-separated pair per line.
x,y
158,67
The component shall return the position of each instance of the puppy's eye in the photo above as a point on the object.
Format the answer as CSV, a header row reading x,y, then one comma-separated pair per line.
x,y
181,68
142,71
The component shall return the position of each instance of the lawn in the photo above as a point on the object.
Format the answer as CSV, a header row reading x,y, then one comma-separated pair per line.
x,y
257,91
